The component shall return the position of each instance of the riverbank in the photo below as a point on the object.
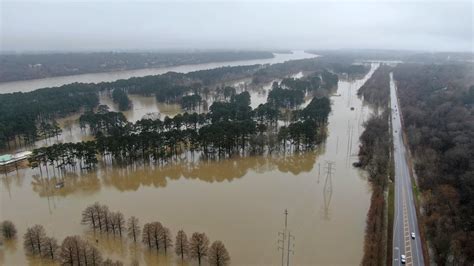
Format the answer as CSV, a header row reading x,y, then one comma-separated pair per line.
x,y
30,85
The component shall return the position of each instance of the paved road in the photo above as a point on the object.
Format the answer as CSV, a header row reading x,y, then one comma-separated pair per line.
x,y
405,215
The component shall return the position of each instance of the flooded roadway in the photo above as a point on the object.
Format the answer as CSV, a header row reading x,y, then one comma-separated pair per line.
x,y
239,201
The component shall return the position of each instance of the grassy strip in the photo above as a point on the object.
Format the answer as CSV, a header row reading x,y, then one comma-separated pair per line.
x,y
391,213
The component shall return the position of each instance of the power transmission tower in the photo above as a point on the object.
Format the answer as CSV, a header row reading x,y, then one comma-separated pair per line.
x,y
282,238
281,245
327,190
290,237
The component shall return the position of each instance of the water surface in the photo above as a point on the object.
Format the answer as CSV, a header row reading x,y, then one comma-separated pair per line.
x,y
29,85
239,201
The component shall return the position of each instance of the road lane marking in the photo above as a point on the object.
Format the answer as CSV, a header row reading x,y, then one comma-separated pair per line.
x,y
406,229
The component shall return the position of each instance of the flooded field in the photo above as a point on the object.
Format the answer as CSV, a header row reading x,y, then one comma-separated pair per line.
x,y
239,201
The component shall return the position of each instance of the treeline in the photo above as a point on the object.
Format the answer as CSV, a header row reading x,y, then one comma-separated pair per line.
x,y
290,93
374,156
33,66
317,66
228,128
73,250
155,236
317,80
394,55
437,106
376,90
120,97
22,113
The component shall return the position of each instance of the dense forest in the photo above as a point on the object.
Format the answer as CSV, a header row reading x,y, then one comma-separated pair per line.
x,y
376,91
228,128
405,56
22,114
374,157
437,105
41,65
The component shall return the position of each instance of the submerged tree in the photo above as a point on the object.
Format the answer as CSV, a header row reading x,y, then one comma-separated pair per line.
x,y
34,240
8,229
133,228
218,255
147,235
119,220
181,245
76,251
50,248
156,235
199,246
90,217
166,238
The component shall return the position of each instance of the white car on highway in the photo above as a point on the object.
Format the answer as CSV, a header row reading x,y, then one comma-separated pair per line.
x,y
403,259
412,235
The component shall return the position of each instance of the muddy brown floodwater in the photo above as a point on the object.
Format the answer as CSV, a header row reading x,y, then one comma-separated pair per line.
x,y
239,201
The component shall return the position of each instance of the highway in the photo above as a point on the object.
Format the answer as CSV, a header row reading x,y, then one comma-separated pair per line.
x,y
405,220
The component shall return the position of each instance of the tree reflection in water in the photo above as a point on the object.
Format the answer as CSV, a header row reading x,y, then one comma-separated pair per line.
x,y
131,177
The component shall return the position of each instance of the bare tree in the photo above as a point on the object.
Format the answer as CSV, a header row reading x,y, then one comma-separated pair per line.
x,y
33,239
152,235
94,257
112,222
181,245
166,238
157,231
8,229
147,233
119,222
50,248
76,251
218,255
90,217
133,228
199,246
69,253
105,214
97,208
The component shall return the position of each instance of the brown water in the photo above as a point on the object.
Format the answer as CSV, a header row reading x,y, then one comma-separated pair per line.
x,y
239,201
29,85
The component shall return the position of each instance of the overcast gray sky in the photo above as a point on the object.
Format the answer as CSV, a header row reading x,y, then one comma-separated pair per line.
x,y
124,25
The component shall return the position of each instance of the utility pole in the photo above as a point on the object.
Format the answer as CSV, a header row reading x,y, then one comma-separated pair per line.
x,y
290,236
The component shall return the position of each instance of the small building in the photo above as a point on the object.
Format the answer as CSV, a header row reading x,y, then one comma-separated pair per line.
x,y
7,159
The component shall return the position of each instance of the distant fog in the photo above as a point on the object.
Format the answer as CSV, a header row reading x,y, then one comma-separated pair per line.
x,y
182,25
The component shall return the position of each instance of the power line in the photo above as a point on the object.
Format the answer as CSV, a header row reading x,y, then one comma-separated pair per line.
x,y
290,237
